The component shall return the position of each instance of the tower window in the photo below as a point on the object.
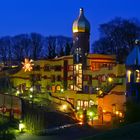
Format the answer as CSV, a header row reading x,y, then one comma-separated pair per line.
x,y
128,76
137,76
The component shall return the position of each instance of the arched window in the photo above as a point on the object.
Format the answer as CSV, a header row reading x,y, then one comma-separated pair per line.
x,y
137,76
129,76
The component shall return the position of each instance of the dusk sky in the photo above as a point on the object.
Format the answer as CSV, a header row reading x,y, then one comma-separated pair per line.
x,y
55,17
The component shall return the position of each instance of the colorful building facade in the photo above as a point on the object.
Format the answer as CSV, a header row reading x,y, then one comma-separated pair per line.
x,y
82,78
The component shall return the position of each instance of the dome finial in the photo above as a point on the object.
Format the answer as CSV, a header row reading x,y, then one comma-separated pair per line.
x,y
81,11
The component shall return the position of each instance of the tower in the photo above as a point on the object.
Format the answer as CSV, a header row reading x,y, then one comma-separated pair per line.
x,y
81,33
133,75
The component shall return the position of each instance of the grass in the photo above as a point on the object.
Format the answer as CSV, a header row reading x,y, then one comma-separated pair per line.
x,y
128,132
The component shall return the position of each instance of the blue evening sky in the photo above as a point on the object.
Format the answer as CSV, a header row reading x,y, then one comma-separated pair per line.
x,y
55,17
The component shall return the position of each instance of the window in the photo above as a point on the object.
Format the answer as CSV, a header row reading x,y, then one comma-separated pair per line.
x,y
85,104
80,103
91,103
53,88
90,79
53,78
128,76
46,68
71,77
70,68
71,87
58,68
36,68
58,77
38,77
38,88
137,76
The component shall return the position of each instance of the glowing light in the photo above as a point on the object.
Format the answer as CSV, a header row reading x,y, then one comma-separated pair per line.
x,y
31,89
104,111
91,114
120,114
17,93
31,96
62,90
97,88
78,107
129,75
81,116
110,79
27,64
100,92
81,123
64,107
21,126
117,112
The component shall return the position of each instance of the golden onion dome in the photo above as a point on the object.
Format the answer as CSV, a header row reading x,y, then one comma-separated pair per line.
x,y
81,24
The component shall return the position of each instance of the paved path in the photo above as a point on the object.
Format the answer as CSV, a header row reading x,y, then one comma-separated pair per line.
x,y
71,133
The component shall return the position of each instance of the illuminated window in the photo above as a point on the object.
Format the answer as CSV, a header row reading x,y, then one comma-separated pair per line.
x,y
128,76
95,66
91,103
53,88
82,103
85,103
70,68
137,76
78,103
71,87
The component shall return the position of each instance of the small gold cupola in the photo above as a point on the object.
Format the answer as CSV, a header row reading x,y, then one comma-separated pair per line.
x,y
81,24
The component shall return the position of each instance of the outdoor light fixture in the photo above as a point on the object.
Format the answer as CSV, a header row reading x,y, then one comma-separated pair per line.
x,y
78,107
27,64
62,90
21,126
31,89
110,79
31,96
91,114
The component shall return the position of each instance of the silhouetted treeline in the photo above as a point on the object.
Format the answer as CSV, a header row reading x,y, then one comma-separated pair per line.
x,y
117,37
34,46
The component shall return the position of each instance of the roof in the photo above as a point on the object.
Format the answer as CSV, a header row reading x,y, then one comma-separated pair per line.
x,y
81,24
